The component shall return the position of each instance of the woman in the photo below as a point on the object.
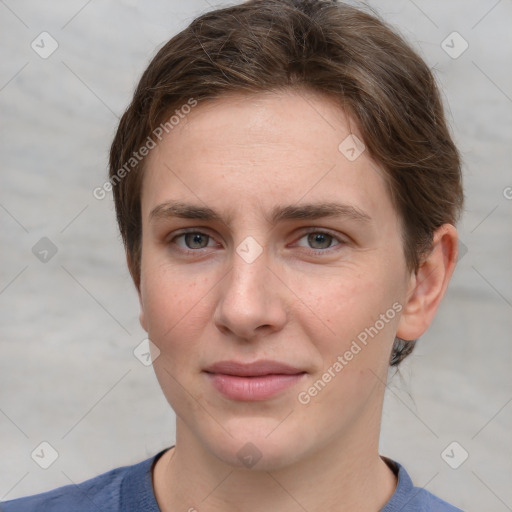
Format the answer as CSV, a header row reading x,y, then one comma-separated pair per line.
x,y
287,191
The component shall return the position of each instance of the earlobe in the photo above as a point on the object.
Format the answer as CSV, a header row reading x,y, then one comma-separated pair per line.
x,y
429,284
137,282
142,319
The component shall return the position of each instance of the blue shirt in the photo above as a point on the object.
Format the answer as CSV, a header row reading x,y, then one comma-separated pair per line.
x,y
130,489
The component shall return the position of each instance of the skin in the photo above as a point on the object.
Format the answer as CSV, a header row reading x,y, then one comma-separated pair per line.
x,y
243,156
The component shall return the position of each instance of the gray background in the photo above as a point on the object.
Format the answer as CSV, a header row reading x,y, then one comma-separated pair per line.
x,y
69,326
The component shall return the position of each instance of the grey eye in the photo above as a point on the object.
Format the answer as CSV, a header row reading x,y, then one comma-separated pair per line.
x,y
324,240
196,240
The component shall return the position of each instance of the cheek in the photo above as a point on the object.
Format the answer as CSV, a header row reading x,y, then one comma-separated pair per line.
x,y
355,352
174,306
347,307
175,310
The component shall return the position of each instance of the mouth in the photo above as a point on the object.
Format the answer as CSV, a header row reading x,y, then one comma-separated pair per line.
x,y
256,381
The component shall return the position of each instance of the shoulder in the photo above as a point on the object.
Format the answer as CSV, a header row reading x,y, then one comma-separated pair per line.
x,y
101,492
425,501
105,492
414,499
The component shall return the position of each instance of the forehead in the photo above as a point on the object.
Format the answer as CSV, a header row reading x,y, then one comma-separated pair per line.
x,y
261,149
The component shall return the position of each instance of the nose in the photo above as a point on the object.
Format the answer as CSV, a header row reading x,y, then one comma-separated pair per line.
x,y
251,300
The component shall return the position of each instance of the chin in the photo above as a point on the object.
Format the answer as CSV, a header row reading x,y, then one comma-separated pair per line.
x,y
257,445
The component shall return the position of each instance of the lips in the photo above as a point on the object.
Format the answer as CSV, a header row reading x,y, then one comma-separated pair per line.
x,y
255,369
255,381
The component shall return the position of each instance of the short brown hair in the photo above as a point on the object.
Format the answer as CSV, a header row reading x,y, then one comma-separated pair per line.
x,y
327,47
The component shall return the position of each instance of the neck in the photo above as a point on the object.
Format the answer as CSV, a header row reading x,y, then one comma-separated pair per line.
x,y
189,478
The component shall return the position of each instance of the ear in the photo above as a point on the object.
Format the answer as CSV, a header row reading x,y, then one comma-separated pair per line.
x,y
137,282
142,319
429,283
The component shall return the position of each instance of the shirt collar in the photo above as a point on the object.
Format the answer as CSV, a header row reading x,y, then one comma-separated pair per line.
x,y
137,492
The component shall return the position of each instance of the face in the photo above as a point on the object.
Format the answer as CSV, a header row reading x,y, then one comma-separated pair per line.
x,y
265,243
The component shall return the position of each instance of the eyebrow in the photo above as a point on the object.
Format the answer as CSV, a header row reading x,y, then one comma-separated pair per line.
x,y
310,211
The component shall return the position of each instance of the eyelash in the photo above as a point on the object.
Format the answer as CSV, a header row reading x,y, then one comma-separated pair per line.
x,y
314,252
